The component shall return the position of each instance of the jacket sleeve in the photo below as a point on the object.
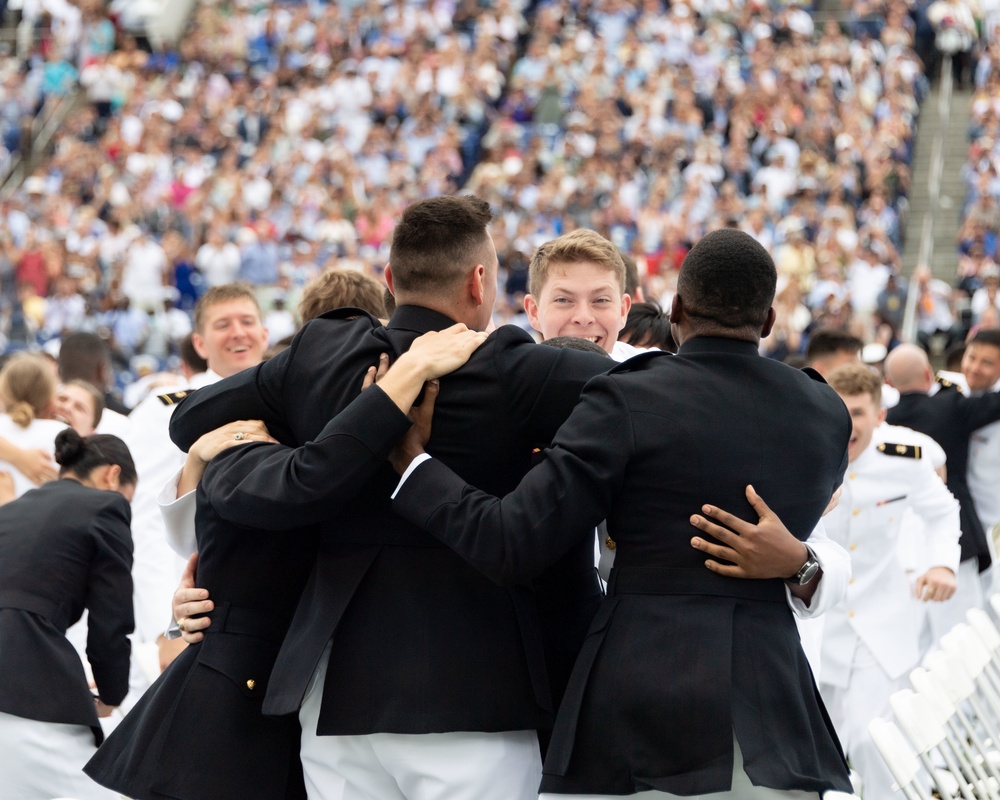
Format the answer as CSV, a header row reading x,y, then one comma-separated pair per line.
x,y
254,393
543,384
939,510
109,600
980,411
556,505
274,487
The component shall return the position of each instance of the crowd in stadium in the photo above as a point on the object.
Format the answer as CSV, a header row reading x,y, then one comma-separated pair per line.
x,y
199,202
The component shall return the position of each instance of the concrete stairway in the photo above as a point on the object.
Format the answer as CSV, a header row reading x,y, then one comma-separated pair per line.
x,y
936,188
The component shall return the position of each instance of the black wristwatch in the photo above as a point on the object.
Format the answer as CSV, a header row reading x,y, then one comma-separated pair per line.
x,y
807,571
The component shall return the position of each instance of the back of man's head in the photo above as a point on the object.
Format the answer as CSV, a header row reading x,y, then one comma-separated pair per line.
x,y
648,326
907,369
86,357
727,282
436,242
633,283
340,288
191,362
828,348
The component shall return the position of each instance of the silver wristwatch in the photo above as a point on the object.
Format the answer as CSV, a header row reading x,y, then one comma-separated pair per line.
x,y
807,571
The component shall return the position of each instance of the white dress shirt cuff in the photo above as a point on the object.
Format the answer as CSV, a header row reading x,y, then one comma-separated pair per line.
x,y
409,471
836,566
178,517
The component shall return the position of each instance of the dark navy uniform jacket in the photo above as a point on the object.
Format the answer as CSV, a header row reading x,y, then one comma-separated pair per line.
x,y
678,658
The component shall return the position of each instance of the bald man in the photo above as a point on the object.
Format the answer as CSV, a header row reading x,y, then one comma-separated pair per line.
x,y
950,418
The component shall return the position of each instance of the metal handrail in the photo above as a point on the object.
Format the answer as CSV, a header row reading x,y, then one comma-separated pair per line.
x,y
909,328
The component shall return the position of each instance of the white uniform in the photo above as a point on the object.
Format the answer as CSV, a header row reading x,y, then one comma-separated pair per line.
x,y
871,640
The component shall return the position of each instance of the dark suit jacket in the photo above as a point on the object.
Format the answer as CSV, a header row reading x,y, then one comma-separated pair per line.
x,y
64,547
213,692
678,657
950,418
423,643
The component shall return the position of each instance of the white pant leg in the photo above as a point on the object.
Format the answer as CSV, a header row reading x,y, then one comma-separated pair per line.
x,y
852,708
968,594
742,789
433,766
42,760
464,765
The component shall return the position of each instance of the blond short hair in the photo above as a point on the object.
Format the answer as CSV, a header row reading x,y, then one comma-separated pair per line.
x,y
27,387
851,380
339,288
581,245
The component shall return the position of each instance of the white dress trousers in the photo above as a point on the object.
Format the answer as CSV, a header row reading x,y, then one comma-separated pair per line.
x,y
429,766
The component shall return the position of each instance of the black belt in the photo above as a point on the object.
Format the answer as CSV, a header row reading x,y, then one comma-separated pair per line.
x,y
240,621
692,581
45,607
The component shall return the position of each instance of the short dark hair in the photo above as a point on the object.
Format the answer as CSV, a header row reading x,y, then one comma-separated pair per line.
x,y
632,280
436,240
648,326
990,336
953,358
829,341
576,343
84,355
190,357
728,281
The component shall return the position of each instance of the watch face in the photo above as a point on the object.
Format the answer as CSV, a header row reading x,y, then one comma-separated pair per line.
x,y
808,571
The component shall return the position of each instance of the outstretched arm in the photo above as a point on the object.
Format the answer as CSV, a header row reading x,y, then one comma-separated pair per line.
x,y
766,549
557,503
275,488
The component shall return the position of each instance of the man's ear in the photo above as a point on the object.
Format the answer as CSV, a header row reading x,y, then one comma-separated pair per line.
x,y
387,272
477,284
765,330
676,310
626,305
531,309
198,342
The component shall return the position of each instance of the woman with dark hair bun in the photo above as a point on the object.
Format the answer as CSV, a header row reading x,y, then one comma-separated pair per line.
x,y
64,547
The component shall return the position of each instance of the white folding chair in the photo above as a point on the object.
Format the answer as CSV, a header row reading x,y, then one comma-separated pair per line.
x,y
899,757
971,657
971,752
919,721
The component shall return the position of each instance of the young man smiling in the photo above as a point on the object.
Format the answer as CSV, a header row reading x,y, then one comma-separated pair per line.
x,y
577,288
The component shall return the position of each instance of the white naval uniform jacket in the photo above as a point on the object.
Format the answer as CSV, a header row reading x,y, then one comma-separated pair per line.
x,y
879,608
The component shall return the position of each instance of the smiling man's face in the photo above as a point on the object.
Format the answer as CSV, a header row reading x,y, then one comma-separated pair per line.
x,y
582,300
232,338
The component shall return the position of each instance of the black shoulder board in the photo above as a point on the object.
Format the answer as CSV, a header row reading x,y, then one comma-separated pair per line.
x,y
173,398
903,450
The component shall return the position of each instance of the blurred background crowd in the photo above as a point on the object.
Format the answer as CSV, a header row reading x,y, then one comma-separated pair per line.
x,y
275,141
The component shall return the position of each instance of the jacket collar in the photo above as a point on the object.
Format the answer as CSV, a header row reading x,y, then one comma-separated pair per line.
x,y
418,319
717,344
